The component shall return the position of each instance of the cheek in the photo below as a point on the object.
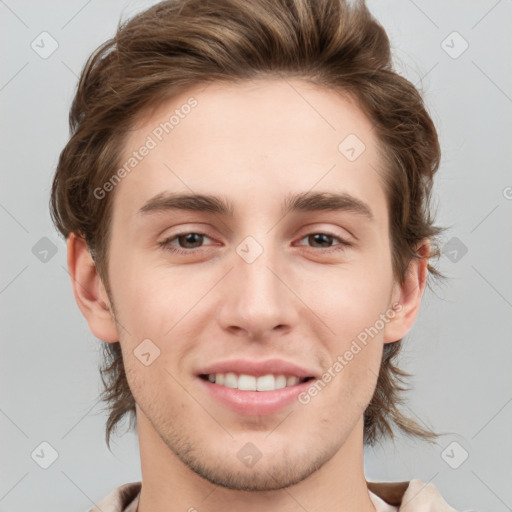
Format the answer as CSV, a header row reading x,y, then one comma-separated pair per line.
x,y
163,305
350,300
148,300
152,386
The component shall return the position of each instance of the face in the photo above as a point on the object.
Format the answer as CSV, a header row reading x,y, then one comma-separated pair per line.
x,y
293,282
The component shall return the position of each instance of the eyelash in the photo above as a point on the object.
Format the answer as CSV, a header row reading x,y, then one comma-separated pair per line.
x,y
166,244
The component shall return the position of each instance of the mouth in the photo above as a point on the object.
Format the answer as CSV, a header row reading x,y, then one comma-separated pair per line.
x,y
245,382
248,395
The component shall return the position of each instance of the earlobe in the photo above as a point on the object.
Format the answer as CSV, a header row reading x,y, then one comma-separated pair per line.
x,y
89,291
407,296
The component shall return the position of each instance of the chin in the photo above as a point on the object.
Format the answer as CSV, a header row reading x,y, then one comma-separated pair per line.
x,y
248,469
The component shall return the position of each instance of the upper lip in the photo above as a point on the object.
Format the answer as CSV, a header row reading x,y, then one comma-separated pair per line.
x,y
257,368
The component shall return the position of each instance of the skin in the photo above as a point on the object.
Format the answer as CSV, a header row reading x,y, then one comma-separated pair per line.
x,y
254,143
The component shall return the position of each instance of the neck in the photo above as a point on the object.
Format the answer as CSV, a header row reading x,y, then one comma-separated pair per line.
x,y
169,485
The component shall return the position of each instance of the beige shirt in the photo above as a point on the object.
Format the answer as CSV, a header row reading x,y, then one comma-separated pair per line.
x,y
412,496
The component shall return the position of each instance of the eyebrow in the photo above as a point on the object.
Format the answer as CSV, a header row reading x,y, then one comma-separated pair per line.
x,y
302,202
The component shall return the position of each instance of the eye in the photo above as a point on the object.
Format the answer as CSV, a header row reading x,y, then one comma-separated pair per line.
x,y
191,242
187,239
327,238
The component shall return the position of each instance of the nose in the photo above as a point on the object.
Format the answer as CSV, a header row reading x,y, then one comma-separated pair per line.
x,y
258,297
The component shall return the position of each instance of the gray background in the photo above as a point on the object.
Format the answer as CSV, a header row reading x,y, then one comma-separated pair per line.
x,y
459,350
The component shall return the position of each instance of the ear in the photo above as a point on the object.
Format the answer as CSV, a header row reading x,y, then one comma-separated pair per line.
x,y
406,296
89,291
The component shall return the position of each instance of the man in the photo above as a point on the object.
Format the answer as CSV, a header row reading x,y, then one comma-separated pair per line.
x,y
245,199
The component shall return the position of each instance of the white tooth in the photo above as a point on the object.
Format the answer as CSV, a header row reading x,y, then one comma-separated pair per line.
x,y
231,380
291,381
247,382
265,383
280,382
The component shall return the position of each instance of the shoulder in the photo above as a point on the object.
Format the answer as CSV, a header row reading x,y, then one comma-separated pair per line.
x,y
423,497
119,499
412,496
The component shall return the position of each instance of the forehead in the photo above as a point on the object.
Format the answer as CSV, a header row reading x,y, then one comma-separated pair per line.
x,y
263,139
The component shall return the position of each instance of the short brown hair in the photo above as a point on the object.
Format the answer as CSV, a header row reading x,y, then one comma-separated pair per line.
x,y
177,44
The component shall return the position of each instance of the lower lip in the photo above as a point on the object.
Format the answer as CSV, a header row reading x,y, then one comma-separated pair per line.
x,y
255,403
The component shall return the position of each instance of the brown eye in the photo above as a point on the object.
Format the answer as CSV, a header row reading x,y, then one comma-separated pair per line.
x,y
325,241
321,238
188,243
190,240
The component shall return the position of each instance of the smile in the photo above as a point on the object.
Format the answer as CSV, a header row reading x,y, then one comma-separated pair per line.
x,y
245,382
254,402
